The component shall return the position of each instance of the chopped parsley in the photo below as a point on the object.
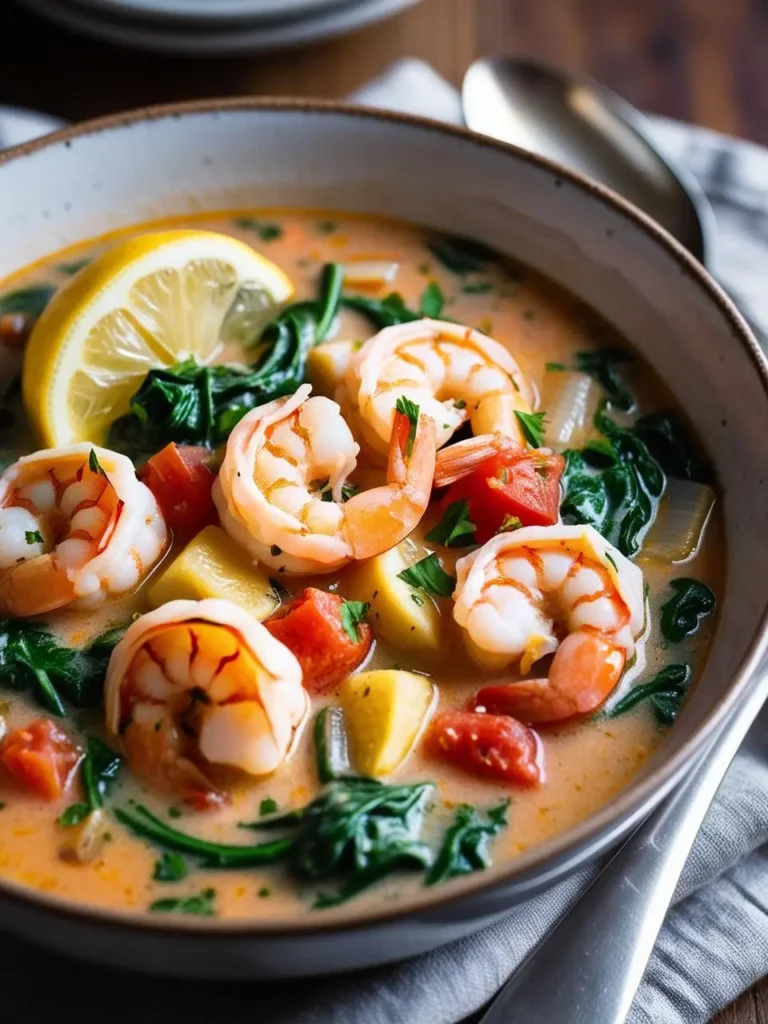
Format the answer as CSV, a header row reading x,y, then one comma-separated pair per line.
x,y
509,524
432,301
170,868
201,904
267,806
428,575
94,465
411,410
352,614
532,426
556,367
455,529
266,230
33,536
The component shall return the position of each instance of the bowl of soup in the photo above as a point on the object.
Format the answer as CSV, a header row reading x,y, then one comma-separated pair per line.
x,y
378,537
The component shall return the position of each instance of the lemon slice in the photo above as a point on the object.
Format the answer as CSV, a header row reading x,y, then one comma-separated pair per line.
x,y
149,301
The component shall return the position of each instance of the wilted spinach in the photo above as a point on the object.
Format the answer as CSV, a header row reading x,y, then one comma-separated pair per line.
x,y
665,692
355,833
460,255
31,657
98,770
31,300
386,312
614,488
601,364
667,439
465,844
682,613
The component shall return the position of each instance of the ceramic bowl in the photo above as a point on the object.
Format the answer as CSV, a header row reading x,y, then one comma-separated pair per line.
x,y
101,176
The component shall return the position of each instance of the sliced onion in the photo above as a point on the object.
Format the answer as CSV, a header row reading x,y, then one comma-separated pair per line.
x,y
682,516
370,273
570,401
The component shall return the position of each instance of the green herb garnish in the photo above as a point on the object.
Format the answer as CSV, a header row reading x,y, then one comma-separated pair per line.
x,y
428,575
411,410
266,230
460,255
386,312
465,844
509,524
352,614
681,615
268,806
532,426
33,537
601,364
455,529
73,815
555,367
201,904
432,301
171,867
95,466
98,770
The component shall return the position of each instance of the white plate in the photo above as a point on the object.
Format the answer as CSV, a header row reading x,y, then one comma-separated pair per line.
x,y
189,13
249,38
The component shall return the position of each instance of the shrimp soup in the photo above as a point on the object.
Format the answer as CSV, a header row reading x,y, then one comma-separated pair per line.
x,y
308,513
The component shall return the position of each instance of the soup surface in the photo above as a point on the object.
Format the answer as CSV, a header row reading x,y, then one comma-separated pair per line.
x,y
512,767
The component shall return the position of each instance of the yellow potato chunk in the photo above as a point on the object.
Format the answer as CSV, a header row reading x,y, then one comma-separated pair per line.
x,y
213,565
406,618
327,364
384,712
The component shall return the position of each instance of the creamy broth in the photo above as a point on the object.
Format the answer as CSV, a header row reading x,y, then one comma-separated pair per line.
x,y
587,761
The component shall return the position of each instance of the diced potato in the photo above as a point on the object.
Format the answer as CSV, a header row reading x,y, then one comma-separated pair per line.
x,y
327,364
213,565
406,618
384,713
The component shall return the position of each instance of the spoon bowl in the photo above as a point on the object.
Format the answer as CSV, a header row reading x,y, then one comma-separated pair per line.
x,y
578,122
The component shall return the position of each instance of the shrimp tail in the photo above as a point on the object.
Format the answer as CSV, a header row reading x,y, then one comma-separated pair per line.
x,y
394,510
459,460
583,674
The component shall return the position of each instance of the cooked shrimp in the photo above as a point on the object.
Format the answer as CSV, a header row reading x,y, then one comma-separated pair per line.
x,y
201,683
522,592
285,460
75,526
453,373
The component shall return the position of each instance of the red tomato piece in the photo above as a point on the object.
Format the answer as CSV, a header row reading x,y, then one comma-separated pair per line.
x,y
495,746
181,481
41,756
524,486
312,627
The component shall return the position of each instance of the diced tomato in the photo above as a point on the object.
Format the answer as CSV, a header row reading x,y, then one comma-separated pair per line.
x,y
181,481
495,746
312,628
523,486
41,756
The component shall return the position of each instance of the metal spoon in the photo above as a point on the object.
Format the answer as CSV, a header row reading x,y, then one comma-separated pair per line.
x,y
588,968
586,126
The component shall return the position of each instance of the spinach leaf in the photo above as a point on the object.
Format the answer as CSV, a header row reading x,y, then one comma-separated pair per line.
x,y
98,770
428,575
31,657
465,844
667,439
330,294
31,300
386,312
432,301
170,868
460,255
201,904
681,615
352,614
601,364
356,831
455,529
665,692
621,499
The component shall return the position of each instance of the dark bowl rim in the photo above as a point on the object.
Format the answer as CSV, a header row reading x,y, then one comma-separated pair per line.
x,y
568,849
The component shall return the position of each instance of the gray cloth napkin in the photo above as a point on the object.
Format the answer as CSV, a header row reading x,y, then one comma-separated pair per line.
x,y
714,943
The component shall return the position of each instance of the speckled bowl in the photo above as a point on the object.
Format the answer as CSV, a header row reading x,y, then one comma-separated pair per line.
x,y
99,176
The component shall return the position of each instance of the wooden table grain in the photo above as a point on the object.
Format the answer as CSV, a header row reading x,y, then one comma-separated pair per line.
x,y
697,60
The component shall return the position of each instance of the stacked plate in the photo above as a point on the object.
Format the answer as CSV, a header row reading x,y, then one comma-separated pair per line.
x,y
215,27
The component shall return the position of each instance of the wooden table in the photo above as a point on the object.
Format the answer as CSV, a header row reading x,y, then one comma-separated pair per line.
x,y
698,60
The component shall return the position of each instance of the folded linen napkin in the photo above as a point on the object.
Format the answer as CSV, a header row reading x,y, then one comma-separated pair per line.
x,y
714,943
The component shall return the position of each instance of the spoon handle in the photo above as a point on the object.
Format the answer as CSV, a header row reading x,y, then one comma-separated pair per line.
x,y
588,969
